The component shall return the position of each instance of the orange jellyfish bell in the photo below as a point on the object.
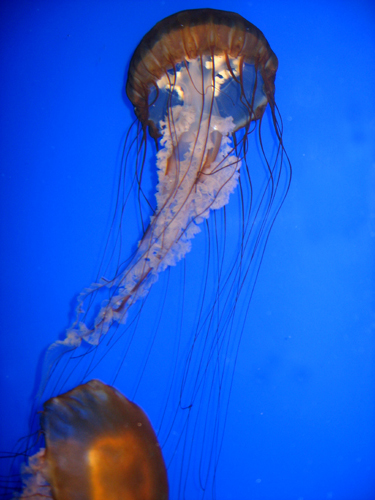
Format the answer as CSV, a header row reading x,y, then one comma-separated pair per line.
x,y
195,79
98,445
223,45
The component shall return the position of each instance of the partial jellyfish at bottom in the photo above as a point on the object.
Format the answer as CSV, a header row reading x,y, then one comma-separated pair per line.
x,y
98,445
202,83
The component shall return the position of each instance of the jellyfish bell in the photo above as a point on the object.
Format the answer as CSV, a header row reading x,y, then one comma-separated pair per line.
x,y
222,49
98,445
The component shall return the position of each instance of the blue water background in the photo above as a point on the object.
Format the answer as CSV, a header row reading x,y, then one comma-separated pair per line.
x,y
301,420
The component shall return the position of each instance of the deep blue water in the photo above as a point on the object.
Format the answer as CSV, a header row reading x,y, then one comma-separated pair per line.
x,y
301,420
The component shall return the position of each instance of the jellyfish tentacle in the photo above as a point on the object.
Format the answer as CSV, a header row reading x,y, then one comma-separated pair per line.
x,y
167,239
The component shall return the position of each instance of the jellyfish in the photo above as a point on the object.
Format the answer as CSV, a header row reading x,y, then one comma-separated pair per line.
x,y
200,83
98,445
195,80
